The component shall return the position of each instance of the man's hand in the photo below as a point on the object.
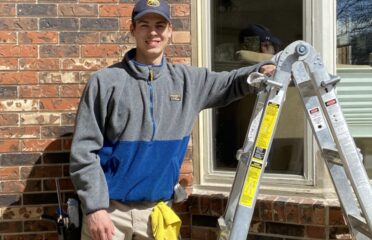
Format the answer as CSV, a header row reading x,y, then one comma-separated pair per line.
x,y
100,225
268,69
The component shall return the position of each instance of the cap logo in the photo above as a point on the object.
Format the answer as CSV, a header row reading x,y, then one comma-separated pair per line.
x,y
153,3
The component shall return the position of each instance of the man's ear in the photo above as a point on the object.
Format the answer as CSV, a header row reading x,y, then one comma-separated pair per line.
x,y
170,30
131,27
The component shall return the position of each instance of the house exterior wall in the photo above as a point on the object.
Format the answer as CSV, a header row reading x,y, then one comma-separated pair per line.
x,y
48,48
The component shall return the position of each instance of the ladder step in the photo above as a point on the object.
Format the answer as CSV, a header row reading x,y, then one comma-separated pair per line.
x,y
358,223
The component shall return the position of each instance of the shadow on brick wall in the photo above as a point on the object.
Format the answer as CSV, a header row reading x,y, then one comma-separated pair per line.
x,y
28,190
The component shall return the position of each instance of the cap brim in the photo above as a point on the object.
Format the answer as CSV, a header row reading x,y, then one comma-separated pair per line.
x,y
275,40
139,15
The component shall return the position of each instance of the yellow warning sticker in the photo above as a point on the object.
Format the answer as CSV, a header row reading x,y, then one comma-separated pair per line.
x,y
250,184
267,125
263,141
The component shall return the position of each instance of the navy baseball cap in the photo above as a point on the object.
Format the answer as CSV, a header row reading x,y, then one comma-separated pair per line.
x,y
260,31
143,7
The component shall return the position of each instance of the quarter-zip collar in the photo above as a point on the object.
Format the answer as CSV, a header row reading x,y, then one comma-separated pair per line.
x,y
142,71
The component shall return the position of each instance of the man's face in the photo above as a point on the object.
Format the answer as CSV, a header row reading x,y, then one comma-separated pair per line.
x,y
267,47
152,33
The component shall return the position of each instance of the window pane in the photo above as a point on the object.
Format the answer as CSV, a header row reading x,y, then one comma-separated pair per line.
x,y
244,33
354,66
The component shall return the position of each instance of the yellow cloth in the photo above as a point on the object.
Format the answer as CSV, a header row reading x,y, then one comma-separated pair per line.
x,y
165,223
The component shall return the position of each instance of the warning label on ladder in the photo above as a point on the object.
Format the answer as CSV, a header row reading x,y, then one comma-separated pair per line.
x,y
262,144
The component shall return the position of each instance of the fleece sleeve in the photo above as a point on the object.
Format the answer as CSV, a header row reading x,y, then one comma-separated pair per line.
x,y
85,170
215,89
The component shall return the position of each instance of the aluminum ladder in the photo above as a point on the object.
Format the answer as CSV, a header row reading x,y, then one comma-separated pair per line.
x,y
299,62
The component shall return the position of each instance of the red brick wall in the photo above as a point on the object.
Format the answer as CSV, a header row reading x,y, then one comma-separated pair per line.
x,y
48,48
47,51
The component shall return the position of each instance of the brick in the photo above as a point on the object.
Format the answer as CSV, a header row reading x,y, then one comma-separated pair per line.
x,y
18,51
59,77
186,167
315,232
59,104
11,119
41,172
39,198
26,236
336,216
122,37
292,212
7,9
178,51
60,24
78,37
312,212
8,64
104,50
18,78
285,229
90,64
181,24
38,37
99,24
38,225
203,233
10,199
121,10
124,23
36,9
71,90
18,159
18,24
77,10
339,233
98,1
8,92
45,64
53,51
67,118
33,145
21,186
18,105
66,144
56,131
180,60
180,10
19,132
181,37
10,227
64,183
266,208
9,173
40,91
279,209
40,118
9,146
56,158
8,37
21,213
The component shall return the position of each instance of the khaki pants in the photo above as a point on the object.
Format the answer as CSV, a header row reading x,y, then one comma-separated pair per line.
x,y
131,221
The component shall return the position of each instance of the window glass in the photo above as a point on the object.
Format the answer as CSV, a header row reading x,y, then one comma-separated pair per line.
x,y
246,32
354,66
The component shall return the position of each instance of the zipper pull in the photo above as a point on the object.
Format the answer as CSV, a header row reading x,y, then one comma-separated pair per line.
x,y
151,74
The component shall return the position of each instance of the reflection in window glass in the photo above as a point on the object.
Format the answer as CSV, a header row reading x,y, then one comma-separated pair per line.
x,y
354,66
244,33
354,32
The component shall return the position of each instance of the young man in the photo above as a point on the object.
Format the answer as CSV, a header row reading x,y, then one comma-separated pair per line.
x,y
133,126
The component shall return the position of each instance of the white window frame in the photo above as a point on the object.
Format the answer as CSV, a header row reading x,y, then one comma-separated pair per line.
x,y
319,17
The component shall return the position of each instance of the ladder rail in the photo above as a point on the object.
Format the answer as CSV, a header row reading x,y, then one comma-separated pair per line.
x,y
341,156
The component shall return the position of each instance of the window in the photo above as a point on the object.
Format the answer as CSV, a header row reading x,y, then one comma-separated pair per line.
x,y
354,66
224,24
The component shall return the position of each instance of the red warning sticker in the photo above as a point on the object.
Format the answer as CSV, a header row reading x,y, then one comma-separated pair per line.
x,y
314,110
330,102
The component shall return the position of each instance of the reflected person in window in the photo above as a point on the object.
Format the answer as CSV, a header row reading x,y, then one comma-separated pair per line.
x,y
256,43
133,126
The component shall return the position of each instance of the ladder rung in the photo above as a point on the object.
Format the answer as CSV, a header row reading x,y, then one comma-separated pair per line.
x,y
358,223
